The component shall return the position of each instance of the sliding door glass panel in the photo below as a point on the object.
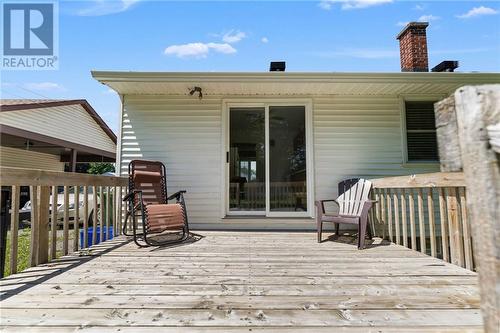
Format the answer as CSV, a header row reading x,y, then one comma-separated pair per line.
x,y
287,159
247,176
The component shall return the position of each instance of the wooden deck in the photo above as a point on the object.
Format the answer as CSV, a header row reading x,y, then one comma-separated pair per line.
x,y
243,282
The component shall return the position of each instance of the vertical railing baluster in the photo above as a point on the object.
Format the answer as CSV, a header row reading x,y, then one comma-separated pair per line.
x,y
377,211
101,213
42,252
396,215
413,230
469,263
389,213
94,215
85,216
34,225
113,210
120,210
382,213
432,225
108,198
14,225
456,244
404,221
421,221
53,224
76,219
443,222
66,221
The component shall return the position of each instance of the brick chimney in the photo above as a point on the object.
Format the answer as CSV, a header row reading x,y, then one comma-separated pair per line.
x,y
413,47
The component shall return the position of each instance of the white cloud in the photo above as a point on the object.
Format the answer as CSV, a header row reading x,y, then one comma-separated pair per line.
x,y
44,86
264,40
419,7
326,5
478,11
352,4
428,18
402,23
233,36
359,53
106,7
198,50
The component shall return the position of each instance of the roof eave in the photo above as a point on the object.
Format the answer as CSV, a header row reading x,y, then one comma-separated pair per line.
x,y
348,77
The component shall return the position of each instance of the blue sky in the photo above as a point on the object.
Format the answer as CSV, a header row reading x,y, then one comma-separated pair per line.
x,y
331,35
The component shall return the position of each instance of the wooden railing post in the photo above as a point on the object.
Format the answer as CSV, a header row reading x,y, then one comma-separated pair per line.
x,y
468,133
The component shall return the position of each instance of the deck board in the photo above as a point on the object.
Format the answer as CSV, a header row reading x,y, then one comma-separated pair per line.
x,y
241,282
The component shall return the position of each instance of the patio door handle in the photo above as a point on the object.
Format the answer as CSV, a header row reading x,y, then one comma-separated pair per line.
x,y
227,157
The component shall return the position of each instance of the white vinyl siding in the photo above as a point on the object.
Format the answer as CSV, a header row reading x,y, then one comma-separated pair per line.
x,y
358,136
185,134
70,123
353,136
20,158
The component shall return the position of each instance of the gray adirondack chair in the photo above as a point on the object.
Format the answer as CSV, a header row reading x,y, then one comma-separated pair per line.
x,y
354,206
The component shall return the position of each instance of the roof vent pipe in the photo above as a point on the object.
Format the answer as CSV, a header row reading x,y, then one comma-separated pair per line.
x,y
446,66
277,66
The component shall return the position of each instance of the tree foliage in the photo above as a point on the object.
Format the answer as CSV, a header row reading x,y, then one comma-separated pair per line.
x,y
98,168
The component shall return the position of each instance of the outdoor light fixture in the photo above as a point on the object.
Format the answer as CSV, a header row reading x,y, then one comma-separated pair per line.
x,y
198,90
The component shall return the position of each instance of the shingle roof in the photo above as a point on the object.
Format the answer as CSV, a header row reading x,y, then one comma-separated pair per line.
x,y
26,101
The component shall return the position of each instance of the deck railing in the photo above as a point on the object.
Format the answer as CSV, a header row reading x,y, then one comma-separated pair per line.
x,y
84,198
427,213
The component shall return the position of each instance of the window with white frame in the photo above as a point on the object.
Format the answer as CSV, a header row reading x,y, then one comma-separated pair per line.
x,y
421,140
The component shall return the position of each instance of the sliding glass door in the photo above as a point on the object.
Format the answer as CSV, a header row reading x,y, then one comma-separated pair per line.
x,y
247,166
267,160
287,159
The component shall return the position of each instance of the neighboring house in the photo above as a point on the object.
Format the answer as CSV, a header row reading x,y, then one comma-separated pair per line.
x,y
45,134
254,150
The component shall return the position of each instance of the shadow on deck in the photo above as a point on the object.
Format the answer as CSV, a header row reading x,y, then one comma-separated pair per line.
x,y
243,282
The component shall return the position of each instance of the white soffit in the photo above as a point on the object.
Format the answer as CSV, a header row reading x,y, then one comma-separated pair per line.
x,y
272,83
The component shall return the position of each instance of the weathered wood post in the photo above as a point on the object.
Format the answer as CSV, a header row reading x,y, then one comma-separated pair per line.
x,y
468,130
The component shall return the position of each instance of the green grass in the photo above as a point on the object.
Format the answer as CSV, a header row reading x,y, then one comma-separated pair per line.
x,y
24,240
23,251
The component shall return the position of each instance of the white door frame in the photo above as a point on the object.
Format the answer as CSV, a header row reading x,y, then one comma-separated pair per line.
x,y
266,103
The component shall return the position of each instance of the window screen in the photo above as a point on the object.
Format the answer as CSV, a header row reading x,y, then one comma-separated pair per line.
x,y
421,132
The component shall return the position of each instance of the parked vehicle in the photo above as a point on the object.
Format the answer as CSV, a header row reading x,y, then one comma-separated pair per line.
x,y
25,211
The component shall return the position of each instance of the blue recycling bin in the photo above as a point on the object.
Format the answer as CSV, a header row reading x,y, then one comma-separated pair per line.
x,y
107,234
